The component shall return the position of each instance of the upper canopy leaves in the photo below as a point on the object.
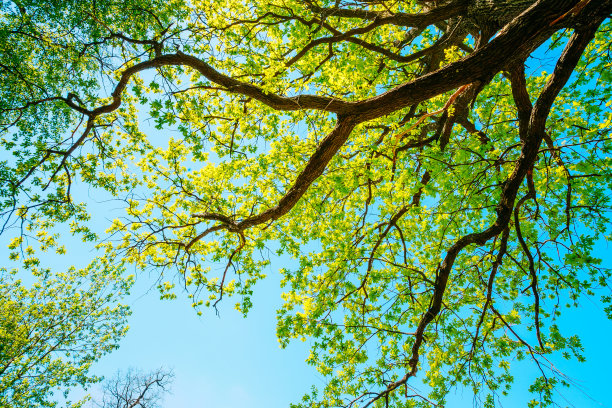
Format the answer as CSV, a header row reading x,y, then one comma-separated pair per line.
x,y
442,192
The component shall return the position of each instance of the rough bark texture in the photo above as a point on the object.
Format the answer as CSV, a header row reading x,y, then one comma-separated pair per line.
x,y
494,14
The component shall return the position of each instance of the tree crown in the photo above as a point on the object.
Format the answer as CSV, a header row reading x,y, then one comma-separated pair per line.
x,y
442,193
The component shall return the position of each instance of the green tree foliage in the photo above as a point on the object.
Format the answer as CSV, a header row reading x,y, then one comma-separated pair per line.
x,y
440,170
52,331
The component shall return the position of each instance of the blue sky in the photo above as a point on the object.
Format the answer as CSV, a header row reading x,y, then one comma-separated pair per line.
x,y
228,361
232,362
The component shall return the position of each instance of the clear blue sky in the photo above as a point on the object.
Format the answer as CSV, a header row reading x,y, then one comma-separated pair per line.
x,y
232,362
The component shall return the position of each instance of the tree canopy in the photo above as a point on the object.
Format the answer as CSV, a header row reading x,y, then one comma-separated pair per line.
x,y
440,170
54,330
135,390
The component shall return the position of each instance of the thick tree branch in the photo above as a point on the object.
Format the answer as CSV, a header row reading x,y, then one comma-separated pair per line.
x,y
565,66
425,19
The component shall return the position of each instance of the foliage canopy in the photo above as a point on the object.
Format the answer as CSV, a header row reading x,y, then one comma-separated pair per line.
x,y
439,169
54,330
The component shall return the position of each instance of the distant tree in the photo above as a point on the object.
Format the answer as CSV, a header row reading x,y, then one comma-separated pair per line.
x,y
440,169
136,390
53,330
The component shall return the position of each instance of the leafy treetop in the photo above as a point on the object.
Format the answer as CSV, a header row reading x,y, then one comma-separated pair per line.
x,y
441,192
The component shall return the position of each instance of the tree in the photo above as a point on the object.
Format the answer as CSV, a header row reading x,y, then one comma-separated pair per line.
x,y
54,330
440,169
136,390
